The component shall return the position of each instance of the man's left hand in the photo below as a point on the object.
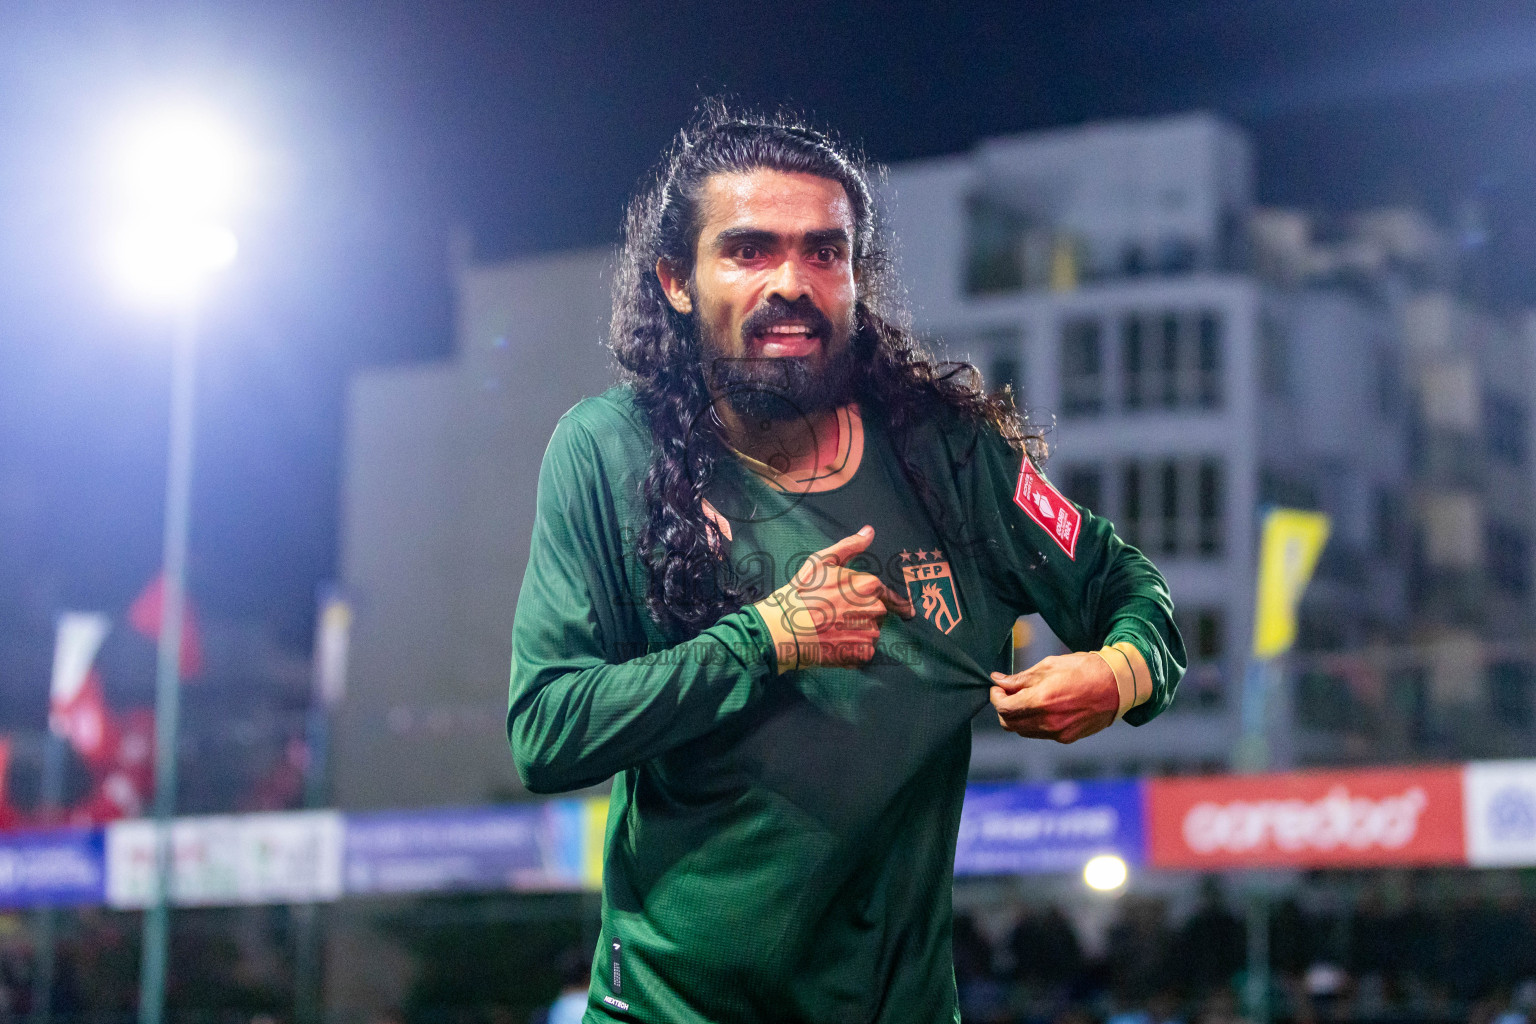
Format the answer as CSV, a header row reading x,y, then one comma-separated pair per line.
x,y
1062,698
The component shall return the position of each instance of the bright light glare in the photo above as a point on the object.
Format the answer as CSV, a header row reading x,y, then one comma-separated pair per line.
x,y
179,174
181,161
1105,872
168,260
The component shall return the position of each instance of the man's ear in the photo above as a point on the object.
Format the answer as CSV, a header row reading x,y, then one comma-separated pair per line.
x,y
675,286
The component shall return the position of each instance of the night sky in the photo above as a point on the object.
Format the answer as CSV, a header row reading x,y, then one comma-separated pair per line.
x,y
385,124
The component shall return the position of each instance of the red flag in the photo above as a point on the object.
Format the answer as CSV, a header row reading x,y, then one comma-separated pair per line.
x,y
87,723
112,798
9,816
145,616
135,754
123,776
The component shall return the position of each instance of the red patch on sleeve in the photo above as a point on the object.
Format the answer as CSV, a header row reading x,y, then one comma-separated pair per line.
x,y
1051,512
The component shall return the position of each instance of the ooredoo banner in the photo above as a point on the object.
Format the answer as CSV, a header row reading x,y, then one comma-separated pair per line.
x,y
1366,818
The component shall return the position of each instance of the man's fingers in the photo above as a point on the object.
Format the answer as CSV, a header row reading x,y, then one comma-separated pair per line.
x,y
1013,702
870,590
1014,683
898,602
838,552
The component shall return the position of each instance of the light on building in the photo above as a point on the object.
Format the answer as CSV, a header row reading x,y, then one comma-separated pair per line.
x,y
1105,872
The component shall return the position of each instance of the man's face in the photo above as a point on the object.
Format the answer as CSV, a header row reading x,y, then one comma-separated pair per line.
x,y
772,291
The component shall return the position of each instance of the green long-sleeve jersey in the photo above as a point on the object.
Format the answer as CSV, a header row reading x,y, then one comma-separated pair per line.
x,y
781,846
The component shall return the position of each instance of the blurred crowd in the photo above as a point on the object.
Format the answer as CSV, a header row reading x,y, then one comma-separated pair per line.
x,y
1378,956
1440,947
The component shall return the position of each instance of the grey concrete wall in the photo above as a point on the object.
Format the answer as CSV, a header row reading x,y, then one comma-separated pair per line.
x,y
437,510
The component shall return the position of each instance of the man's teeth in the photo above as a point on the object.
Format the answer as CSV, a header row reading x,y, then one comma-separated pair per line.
x,y
789,330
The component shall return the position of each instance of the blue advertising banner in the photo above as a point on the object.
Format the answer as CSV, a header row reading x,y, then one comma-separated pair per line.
x,y
527,847
52,868
1013,828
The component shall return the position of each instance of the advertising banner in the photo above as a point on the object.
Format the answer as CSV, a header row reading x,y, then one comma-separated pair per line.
x,y
1010,828
1326,819
230,859
1501,813
528,847
53,868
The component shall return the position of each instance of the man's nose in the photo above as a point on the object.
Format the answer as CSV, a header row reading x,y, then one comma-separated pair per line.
x,y
789,281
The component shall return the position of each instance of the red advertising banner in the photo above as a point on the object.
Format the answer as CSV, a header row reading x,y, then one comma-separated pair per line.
x,y
1369,818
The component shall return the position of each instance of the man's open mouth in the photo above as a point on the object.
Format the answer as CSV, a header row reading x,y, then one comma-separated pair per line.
x,y
787,339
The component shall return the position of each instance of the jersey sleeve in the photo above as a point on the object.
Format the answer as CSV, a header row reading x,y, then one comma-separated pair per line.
x,y
586,699
1052,556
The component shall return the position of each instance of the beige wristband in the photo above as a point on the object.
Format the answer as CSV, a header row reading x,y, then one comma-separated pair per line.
x,y
1125,679
1132,676
1141,675
778,613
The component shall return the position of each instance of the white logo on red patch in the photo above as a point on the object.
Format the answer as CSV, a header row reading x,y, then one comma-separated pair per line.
x,y
1051,512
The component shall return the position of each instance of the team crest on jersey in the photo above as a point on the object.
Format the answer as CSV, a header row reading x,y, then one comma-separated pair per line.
x,y
931,586
1051,512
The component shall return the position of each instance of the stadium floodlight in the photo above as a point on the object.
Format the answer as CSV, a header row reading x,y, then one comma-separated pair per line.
x,y
179,172
1106,872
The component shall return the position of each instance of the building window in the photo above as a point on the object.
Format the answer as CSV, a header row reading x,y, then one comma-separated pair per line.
x,y
1085,486
1131,361
1203,635
1324,702
1171,360
1210,361
1082,369
1274,356
1509,559
1386,527
1512,693
1206,636
1506,429
1172,378
1389,386
1130,500
1005,372
1170,507
994,260
1173,507
1209,511
1280,488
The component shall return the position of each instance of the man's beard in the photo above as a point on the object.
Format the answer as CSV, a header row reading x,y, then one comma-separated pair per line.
x,y
780,388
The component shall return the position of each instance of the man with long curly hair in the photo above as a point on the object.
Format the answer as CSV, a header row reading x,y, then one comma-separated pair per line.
x,y
772,580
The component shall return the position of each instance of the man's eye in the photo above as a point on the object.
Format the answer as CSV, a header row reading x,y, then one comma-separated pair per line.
x,y
748,252
826,254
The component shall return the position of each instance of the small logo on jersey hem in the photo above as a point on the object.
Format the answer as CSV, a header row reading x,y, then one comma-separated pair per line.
x,y
618,1003
931,589
1045,505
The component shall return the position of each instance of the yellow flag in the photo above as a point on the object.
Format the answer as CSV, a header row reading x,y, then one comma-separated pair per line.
x,y
1289,547
595,827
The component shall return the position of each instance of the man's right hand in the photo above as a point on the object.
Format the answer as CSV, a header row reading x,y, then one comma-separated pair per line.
x,y
829,614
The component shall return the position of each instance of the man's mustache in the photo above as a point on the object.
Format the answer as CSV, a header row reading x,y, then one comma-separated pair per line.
x,y
777,311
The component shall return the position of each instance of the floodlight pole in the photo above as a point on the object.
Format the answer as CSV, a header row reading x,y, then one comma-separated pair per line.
x,y
178,508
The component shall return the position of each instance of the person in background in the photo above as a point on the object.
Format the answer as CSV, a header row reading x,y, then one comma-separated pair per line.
x,y
571,1003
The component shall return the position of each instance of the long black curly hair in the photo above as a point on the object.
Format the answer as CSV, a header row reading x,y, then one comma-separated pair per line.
x,y
897,381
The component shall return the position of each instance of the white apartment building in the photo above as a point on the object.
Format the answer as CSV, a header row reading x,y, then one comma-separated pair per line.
x,y
1102,271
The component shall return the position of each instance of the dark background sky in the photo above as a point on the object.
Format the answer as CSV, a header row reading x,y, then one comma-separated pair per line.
x,y
384,124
